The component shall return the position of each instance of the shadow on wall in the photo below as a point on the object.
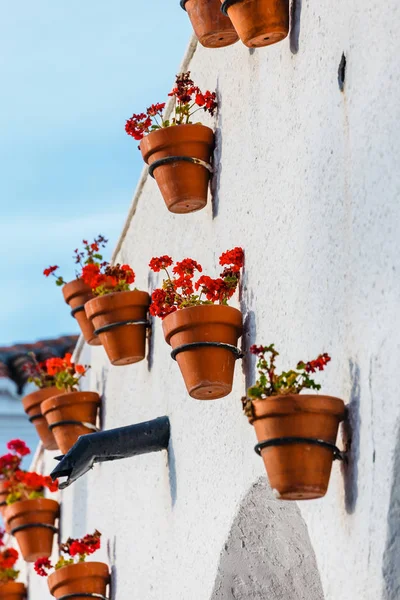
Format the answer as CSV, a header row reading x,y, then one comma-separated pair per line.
x,y
173,485
391,556
217,156
351,441
268,553
295,17
249,330
151,331
112,559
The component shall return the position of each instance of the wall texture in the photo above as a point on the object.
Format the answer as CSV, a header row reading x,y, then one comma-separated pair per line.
x,y
307,181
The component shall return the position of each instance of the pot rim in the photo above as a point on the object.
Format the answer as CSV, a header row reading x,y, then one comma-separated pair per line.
x,y
115,300
170,135
185,320
22,506
66,572
288,404
69,399
17,587
34,398
75,287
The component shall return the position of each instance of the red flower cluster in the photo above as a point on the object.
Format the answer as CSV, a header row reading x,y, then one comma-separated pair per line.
x,y
8,558
179,292
138,125
79,548
163,262
313,365
32,482
105,278
10,463
19,447
59,372
50,271
187,97
89,255
41,564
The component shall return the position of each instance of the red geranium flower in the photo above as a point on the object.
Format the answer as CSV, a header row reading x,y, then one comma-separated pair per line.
x,y
19,447
50,270
41,564
156,264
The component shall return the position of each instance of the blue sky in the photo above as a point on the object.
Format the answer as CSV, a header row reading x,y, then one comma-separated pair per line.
x,y
71,73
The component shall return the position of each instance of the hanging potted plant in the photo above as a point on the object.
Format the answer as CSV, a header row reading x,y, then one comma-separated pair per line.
x,y
258,22
201,328
213,29
30,516
296,432
10,589
76,292
177,150
72,575
38,373
10,463
118,314
71,413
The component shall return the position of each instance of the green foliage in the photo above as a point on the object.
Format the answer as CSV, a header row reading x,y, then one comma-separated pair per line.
x,y
63,562
269,383
8,575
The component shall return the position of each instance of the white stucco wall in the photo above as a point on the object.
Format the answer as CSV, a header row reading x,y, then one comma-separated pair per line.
x,y
308,183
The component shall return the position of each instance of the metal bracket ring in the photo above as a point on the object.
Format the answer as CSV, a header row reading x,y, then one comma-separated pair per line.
x,y
170,159
35,417
227,4
286,441
120,324
77,309
32,526
84,595
72,422
236,351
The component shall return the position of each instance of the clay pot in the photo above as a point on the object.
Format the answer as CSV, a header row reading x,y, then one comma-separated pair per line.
x,y
76,293
124,344
207,371
74,406
298,471
33,542
3,495
32,406
212,28
183,185
3,501
12,591
84,578
260,22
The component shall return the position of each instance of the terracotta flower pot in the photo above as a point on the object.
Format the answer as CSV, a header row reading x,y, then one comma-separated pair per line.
x,y
12,591
75,406
84,578
76,293
208,370
212,28
183,185
34,541
3,495
125,343
298,471
3,501
259,22
32,406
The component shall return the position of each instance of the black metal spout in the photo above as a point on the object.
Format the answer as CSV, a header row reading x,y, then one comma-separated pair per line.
x,y
114,444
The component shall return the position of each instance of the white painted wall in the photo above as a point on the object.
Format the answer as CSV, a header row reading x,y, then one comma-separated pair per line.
x,y
308,183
